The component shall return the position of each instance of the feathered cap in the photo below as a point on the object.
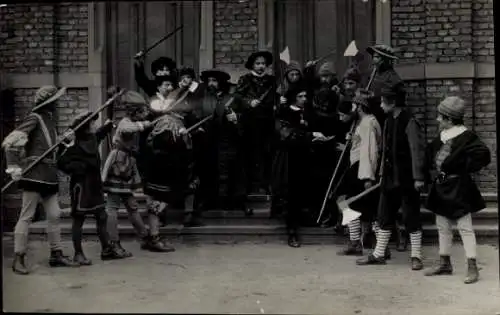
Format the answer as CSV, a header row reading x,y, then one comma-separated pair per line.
x,y
46,95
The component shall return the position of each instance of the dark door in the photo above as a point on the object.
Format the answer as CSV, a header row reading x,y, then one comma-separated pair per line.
x,y
136,25
312,29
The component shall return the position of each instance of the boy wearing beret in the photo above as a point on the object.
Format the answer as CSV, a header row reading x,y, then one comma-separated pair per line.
x,y
453,156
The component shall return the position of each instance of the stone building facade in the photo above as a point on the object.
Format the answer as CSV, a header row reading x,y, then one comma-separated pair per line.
x,y
443,45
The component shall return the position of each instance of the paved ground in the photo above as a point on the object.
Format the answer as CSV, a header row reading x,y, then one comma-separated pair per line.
x,y
248,278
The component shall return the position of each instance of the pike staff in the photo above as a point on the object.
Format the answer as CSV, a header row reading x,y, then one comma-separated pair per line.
x,y
343,154
56,145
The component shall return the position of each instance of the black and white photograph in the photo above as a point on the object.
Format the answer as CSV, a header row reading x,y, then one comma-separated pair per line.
x,y
249,157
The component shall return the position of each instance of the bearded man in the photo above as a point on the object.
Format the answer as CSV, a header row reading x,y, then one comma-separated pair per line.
x,y
220,152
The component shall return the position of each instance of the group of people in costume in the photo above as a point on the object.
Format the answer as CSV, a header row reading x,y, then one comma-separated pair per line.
x,y
282,137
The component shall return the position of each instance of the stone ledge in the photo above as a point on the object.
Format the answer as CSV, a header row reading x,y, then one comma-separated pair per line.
x,y
452,70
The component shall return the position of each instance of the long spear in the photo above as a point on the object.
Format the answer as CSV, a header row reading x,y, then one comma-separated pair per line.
x,y
52,148
327,195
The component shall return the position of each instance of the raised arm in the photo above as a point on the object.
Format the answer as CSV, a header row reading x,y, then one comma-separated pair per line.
x,y
142,79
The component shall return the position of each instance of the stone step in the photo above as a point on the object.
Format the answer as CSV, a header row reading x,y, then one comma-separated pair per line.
x,y
486,233
262,215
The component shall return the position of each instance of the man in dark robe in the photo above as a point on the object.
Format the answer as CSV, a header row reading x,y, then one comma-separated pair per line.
x,y
255,99
220,159
321,114
290,174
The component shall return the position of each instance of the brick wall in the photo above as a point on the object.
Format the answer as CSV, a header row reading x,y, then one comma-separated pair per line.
x,y
235,32
35,38
438,31
45,38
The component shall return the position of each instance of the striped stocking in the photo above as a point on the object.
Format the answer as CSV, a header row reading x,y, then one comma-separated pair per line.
x,y
416,244
354,230
383,237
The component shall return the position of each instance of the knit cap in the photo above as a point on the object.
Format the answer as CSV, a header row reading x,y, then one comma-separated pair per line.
x,y
452,107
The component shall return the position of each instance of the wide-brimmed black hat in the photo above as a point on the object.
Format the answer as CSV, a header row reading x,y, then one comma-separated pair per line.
x,y
266,54
162,62
220,75
383,50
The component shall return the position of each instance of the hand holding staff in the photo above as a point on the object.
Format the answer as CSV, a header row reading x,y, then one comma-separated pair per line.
x,y
68,133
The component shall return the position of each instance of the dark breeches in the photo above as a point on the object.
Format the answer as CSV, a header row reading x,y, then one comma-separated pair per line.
x,y
392,200
257,137
101,220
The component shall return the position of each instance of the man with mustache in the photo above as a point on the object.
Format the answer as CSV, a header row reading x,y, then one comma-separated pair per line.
x,y
255,96
219,148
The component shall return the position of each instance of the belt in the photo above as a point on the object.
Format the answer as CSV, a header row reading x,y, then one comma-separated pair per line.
x,y
442,176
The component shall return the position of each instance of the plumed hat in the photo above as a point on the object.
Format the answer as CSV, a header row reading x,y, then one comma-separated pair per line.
x,y
46,95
